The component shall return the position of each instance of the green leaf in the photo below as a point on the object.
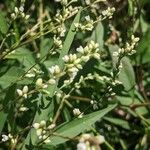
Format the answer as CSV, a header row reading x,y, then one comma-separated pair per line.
x,y
77,126
3,117
10,76
3,24
98,34
32,138
127,101
24,56
143,49
131,8
9,97
127,76
118,122
45,46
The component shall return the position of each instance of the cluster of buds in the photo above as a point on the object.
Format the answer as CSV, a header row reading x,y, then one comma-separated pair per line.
x,y
88,141
9,137
91,50
39,83
87,26
19,12
42,130
72,63
23,108
66,2
23,92
129,48
77,112
63,2
61,30
66,13
33,72
57,42
55,72
108,13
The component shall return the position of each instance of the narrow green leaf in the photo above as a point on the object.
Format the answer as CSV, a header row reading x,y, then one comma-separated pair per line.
x,y
143,49
98,34
3,24
77,126
118,122
3,117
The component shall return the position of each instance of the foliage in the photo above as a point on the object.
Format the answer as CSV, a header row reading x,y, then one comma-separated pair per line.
x,y
74,74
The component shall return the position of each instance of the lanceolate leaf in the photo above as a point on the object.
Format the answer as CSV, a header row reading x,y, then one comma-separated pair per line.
x,y
77,126
3,24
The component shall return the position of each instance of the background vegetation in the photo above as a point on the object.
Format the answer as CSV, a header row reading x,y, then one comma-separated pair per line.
x,y
59,90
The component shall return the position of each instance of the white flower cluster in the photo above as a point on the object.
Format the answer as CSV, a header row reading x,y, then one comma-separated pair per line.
x,y
72,63
67,12
19,12
89,51
23,108
66,2
88,141
57,42
88,25
23,92
55,72
108,12
42,130
33,72
129,49
9,137
60,18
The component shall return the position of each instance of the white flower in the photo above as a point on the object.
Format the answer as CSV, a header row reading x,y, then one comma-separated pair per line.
x,y
100,138
52,126
25,89
80,50
76,111
55,70
43,123
36,125
87,18
13,16
21,8
5,138
39,82
23,109
27,17
23,92
115,53
39,132
16,10
81,146
135,39
77,25
20,93
66,58
47,140
52,81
